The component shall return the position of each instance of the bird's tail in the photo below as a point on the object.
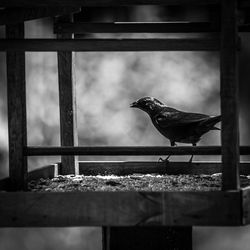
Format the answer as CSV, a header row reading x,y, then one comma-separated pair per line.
x,y
211,121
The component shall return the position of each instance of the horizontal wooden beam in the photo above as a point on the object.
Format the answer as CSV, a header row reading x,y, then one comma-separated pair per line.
x,y
109,45
26,209
140,27
17,15
94,3
142,150
137,27
147,167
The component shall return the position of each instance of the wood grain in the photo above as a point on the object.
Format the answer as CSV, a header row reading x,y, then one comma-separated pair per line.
x,y
17,126
17,15
103,2
193,44
229,95
19,209
138,27
67,102
130,150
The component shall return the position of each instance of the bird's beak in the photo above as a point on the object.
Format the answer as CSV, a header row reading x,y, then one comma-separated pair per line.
x,y
134,105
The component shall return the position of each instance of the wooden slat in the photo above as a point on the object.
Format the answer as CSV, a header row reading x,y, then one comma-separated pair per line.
x,y
94,3
147,238
147,167
141,150
229,95
109,45
67,102
246,206
16,15
138,27
18,209
16,111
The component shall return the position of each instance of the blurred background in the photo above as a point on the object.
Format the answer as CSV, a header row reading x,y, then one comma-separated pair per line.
x,y
106,84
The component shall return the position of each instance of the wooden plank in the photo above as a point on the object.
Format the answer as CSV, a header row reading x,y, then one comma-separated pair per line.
x,y
67,102
130,150
147,167
16,111
137,27
229,95
246,206
19,209
193,44
147,238
17,15
140,27
45,172
11,3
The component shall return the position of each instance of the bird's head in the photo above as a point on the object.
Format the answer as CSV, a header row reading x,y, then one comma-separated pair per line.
x,y
148,104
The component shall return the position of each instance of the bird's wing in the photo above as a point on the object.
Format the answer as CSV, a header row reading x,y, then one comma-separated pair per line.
x,y
178,118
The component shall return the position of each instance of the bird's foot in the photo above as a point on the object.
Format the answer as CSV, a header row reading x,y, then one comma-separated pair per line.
x,y
191,159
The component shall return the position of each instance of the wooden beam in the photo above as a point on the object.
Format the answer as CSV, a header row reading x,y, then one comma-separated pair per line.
x,y
141,150
217,208
229,95
17,15
16,91
147,238
193,44
94,3
137,27
246,206
67,102
147,167
141,27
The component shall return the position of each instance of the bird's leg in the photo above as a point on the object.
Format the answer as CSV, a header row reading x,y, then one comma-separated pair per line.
x,y
191,158
166,160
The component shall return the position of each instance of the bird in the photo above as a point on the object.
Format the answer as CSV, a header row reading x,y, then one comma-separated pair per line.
x,y
176,125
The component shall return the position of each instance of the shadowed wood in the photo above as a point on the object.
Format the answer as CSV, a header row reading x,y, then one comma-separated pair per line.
x,y
103,2
147,238
146,167
193,44
120,209
140,27
17,126
229,95
130,27
49,171
130,150
246,206
67,102
16,15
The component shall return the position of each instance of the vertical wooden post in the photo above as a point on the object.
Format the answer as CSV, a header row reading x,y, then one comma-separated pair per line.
x,y
67,102
229,95
147,238
17,123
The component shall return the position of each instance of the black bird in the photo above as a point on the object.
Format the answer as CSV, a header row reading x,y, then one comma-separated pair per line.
x,y
176,125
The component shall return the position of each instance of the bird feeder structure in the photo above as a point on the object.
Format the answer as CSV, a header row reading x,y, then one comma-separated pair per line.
x,y
153,213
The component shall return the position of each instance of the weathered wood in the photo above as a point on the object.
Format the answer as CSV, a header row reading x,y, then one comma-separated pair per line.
x,y
147,167
49,171
130,150
138,27
67,102
147,238
103,2
229,95
18,209
16,111
17,15
193,44
246,206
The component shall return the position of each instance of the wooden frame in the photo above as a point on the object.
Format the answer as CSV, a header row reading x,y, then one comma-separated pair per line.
x,y
229,207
